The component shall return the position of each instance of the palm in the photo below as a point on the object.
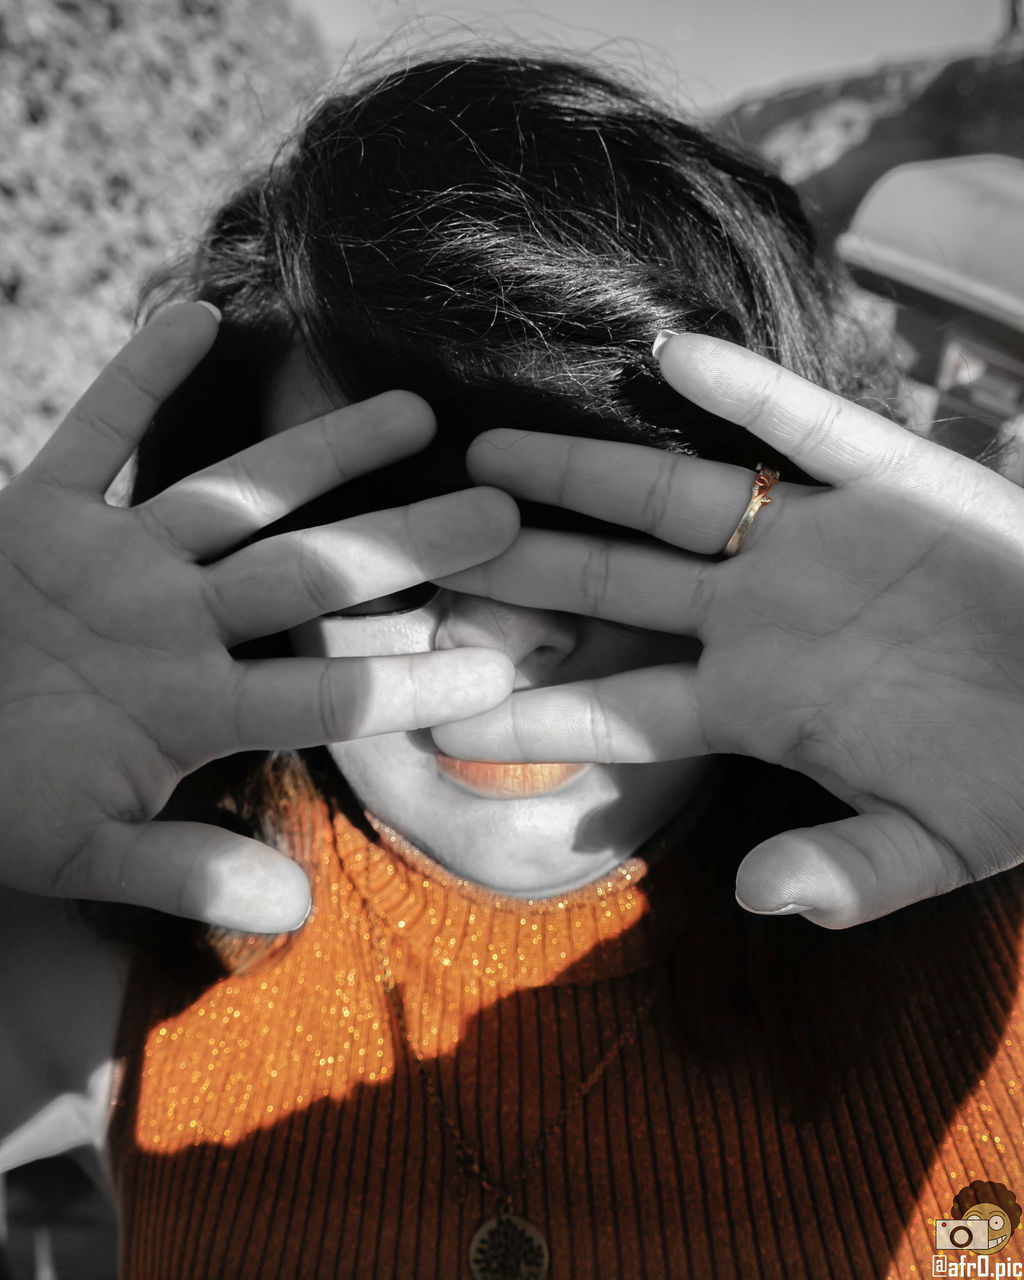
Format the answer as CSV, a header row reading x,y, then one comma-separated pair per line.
x,y
77,635
116,671
867,635
882,667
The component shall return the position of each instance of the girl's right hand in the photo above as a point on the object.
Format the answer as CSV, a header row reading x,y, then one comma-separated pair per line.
x,y
115,675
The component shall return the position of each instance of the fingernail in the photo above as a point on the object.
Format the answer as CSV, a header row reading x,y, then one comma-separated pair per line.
x,y
214,311
254,892
790,909
663,337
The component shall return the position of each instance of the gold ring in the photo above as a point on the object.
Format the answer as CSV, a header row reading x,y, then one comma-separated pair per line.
x,y
765,480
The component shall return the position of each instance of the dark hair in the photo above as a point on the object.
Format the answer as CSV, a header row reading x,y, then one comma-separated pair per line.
x,y
503,235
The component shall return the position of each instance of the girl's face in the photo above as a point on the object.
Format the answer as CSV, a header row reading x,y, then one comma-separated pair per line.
x,y
528,830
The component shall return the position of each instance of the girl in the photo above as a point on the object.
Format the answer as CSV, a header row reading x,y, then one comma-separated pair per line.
x,y
460,786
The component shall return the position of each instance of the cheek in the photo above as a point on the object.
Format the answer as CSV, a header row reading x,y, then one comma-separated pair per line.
x,y
369,762
394,777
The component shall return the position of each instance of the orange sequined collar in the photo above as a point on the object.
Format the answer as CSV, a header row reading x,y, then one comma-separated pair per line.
x,y
598,930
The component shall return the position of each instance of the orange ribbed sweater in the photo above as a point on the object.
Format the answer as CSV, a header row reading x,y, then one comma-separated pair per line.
x,y
272,1125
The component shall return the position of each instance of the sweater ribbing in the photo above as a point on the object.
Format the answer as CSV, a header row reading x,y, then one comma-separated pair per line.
x,y
276,1127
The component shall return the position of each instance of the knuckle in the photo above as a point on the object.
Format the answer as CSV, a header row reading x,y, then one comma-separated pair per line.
x,y
888,456
565,472
658,500
310,571
763,394
188,894
809,415
599,722
419,529
241,729
99,420
418,694
824,423
330,706
521,737
333,444
134,382
595,576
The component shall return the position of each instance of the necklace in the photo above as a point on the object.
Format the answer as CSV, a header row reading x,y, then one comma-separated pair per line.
x,y
505,1246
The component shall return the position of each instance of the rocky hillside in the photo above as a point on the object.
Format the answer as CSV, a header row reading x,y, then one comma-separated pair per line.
x,y
121,121
834,138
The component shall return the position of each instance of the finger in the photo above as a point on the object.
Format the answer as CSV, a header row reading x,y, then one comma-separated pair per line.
x,y
99,434
635,717
848,872
289,579
304,702
684,501
645,586
827,436
217,508
190,869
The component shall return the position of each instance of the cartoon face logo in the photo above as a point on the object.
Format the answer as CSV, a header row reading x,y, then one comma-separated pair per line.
x,y
994,1208
998,1225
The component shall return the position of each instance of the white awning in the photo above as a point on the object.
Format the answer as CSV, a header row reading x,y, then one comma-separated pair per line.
x,y
950,228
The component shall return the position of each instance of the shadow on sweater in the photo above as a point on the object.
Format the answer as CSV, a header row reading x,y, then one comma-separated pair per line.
x,y
778,1114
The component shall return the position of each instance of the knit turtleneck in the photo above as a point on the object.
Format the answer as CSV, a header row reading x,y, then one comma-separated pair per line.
x,y
273,1124
437,921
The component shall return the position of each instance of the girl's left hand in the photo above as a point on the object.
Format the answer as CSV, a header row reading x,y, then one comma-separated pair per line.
x,y
869,634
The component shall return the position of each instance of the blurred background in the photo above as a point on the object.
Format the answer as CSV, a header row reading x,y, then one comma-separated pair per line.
x,y
123,121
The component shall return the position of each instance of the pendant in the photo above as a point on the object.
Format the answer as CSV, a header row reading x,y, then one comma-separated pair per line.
x,y
508,1248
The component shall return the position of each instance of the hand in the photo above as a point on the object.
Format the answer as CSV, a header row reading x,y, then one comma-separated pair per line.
x,y
115,676
869,634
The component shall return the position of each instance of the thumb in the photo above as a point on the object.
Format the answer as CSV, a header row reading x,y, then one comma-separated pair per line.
x,y
845,873
191,869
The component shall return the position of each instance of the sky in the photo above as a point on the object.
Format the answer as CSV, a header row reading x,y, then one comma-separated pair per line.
x,y
704,53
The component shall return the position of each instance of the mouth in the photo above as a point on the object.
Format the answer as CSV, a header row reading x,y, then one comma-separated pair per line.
x,y
511,781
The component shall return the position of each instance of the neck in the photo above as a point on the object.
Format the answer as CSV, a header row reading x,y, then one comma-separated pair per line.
x,y
528,878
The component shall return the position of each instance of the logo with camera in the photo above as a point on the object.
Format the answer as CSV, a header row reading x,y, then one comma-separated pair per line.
x,y
981,1219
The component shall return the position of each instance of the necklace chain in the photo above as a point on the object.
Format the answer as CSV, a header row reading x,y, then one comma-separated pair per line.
x,y
471,1161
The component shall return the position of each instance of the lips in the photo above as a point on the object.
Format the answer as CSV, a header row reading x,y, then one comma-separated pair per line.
x,y
513,781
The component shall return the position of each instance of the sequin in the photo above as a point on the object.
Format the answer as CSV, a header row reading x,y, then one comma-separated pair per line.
x,y
457,946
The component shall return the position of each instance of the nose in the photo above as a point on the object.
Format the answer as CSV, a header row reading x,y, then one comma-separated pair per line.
x,y
536,640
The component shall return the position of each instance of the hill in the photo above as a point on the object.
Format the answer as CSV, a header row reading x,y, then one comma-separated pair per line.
x,y
121,121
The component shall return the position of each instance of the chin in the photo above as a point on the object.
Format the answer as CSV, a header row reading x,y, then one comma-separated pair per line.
x,y
528,831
